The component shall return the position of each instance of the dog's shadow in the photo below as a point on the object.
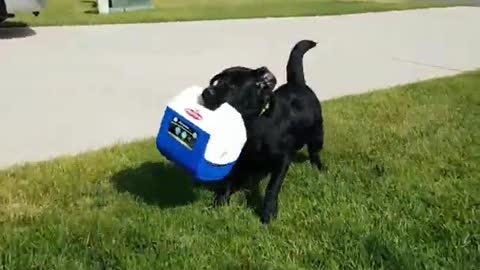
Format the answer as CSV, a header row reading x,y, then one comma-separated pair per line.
x,y
159,184
167,186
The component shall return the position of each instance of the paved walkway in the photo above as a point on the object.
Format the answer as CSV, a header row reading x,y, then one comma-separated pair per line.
x,y
64,90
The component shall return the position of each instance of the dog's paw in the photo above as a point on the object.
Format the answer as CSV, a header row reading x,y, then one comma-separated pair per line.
x,y
268,214
265,221
267,218
219,200
321,167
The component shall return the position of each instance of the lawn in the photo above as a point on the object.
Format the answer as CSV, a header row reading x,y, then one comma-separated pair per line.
x,y
402,191
68,12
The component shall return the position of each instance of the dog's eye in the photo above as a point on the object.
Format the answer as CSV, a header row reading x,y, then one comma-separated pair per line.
x,y
215,83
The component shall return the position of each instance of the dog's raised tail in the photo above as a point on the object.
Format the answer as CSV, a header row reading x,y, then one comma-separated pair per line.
x,y
295,62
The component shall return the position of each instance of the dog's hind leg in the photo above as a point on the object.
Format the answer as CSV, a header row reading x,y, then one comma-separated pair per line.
x,y
314,147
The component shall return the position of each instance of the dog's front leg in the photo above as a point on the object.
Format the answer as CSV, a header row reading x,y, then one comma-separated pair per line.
x,y
222,194
270,202
230,185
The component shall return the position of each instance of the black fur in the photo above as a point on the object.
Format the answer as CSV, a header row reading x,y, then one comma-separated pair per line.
x,y
293,119
3,11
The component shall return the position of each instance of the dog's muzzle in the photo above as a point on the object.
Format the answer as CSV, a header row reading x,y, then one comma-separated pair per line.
x,y
209,98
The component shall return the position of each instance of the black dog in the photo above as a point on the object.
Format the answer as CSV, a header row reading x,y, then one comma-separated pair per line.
x,y
278,123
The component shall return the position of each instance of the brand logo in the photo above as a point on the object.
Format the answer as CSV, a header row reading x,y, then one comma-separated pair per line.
x,y
194,113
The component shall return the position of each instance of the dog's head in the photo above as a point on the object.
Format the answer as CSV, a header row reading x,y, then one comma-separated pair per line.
x,y
247,90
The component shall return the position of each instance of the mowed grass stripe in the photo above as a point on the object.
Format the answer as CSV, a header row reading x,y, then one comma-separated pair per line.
x,y
80,12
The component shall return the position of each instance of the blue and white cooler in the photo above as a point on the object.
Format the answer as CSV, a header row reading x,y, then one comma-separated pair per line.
x,y
203,142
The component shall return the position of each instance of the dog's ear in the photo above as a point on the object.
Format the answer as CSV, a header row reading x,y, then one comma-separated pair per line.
x,y
216,77
266,82
265,79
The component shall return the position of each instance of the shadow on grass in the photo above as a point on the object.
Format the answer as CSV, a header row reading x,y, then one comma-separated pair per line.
x,y
93,6
381,255
12,30
158,184
167,186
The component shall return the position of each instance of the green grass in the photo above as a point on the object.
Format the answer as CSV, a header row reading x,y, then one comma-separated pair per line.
x,y
402,191
68,12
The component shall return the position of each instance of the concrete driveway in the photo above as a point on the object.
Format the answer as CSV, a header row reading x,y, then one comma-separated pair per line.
x,y
64,90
